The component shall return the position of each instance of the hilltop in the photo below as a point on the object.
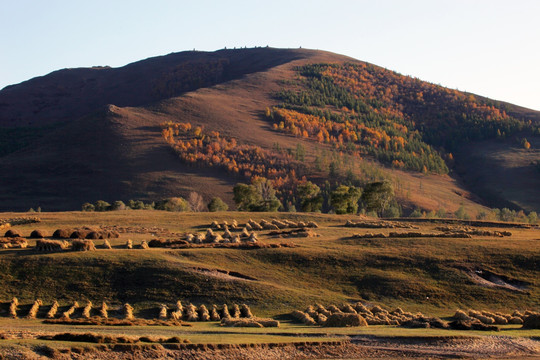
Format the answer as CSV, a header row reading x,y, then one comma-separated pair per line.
x,y
79,135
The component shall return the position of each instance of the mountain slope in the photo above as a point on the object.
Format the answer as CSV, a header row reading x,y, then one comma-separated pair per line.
x,y
75,147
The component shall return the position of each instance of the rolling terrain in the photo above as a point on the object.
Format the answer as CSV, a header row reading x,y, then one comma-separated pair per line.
x,y
79,135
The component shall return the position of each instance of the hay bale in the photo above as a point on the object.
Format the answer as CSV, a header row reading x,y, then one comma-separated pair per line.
x,y
32,313
11,233
163,312
204,314
345,320
377,309
189,238
50,245
53,310
244,233
531,321
199,239
240,323
179,306
106,244
516,313
87,310
488,320
144,245
215,225
13,307
129,244
66,314
214,314
37,234
103,310
113,234
249,227
191,313
303,317
61,233
19,243
245,311
217,239
82,245
176,315
235,239
128,312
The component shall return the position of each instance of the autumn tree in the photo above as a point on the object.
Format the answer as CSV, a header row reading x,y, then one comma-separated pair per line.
x,y
196,202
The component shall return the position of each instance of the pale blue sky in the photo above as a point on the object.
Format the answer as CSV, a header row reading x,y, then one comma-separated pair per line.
x,y
491,48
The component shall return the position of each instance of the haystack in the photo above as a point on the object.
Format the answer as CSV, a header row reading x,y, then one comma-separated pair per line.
x,y
345,320
461,315
13,307
303,317
129,244
191,313
144,245
532,321
50,245
235,239
53,310
189,237
128,312
82,245
32,313
163,312
235,313
106,244
214,314
94,235
209,236
87,310
103,310
225,312
11,233
66,314
245,311
79,234
252,238
62,233
37,234
204,314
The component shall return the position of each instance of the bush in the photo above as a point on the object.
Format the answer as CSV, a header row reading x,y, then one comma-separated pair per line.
x,y
417,213
118,205
88,207
173,204
101,205
216,204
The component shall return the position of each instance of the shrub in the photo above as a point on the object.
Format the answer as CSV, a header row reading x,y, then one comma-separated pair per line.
x,y
101,205
216,204
88,207
173,204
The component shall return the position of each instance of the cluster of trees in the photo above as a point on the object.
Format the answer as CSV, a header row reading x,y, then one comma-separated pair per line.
x,y
194,202
397,119
504,214
195,146
377,198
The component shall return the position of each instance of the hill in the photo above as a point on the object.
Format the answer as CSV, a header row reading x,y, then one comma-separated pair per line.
x,y
80,135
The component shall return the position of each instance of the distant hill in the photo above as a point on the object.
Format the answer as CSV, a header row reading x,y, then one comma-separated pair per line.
x,y
80,135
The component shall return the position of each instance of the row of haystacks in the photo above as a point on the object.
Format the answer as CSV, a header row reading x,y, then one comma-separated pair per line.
x,y
66,234
273,224
352,315
251,322
46,245
6,223
178,313
472,231
211,237
411,234
529,319
192,313
156,231
381,224
13,243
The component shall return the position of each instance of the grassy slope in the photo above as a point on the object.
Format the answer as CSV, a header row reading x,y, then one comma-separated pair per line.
x,y
325,269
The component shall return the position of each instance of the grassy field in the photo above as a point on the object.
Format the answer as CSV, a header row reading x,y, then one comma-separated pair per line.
x,y
419,274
